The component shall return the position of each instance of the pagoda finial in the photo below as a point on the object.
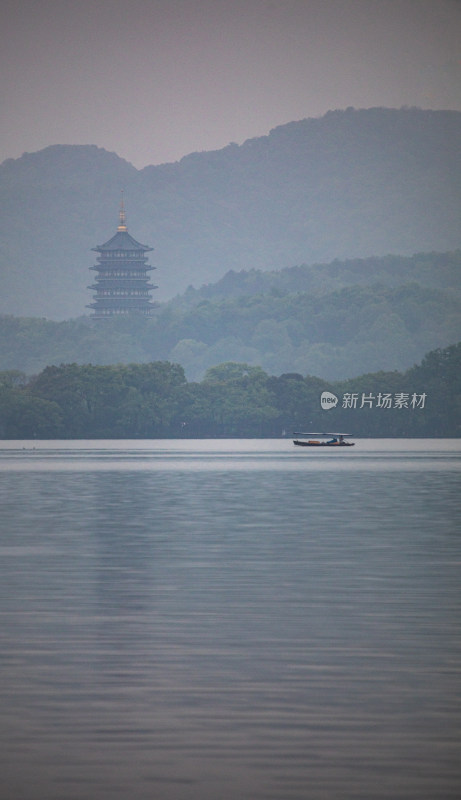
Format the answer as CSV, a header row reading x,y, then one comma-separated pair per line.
x,y
122,215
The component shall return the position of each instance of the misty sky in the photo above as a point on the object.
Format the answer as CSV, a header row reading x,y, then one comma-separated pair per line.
x,y
154,80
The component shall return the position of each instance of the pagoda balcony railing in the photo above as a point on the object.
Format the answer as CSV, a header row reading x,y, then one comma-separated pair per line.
x,y
138,255
131,275
128,268
114,303
120,293
119,286
115,311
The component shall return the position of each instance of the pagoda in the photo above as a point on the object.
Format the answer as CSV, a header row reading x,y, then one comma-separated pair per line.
x,y
122,284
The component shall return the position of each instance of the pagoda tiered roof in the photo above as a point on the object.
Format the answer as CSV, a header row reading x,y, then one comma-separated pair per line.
x,y
122,240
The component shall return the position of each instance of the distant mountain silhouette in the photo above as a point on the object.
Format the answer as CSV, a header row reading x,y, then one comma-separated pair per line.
x,y
351,184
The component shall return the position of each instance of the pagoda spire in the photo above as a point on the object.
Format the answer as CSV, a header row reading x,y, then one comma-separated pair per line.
x,y
122,216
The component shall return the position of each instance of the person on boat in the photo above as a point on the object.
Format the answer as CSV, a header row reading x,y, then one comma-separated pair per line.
x,y
333,441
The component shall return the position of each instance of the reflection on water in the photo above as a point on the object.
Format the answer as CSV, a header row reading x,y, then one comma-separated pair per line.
x,y
222,620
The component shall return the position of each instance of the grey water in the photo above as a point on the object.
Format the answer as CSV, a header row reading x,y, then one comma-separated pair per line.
x,y
222,620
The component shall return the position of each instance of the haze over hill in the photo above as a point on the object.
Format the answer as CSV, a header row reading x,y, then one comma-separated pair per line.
x,y
351,184
331,320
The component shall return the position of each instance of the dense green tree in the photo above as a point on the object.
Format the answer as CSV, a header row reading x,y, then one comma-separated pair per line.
x,y
439,375
111,401
234,399
25,417
297,400
243,405
12,377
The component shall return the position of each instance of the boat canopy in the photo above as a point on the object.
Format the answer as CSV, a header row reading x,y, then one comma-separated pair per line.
x,y
296,433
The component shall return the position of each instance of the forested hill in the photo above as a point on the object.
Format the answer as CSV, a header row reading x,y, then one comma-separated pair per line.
x,y
440,271
155,400
333,321
349,185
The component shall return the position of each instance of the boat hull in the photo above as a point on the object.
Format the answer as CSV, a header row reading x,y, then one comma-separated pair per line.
x,y
300,443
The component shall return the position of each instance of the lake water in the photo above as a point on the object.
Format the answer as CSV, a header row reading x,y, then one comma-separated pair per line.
x,y
230,620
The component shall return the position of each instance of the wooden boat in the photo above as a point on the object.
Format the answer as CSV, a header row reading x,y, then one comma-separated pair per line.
x,y
337,440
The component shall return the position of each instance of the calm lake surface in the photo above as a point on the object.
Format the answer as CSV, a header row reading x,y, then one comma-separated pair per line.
x,y
230,620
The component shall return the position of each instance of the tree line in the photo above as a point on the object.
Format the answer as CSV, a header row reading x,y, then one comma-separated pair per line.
x,y
155,400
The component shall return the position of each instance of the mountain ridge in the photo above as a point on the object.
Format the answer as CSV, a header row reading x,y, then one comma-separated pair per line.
x,y
350,184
